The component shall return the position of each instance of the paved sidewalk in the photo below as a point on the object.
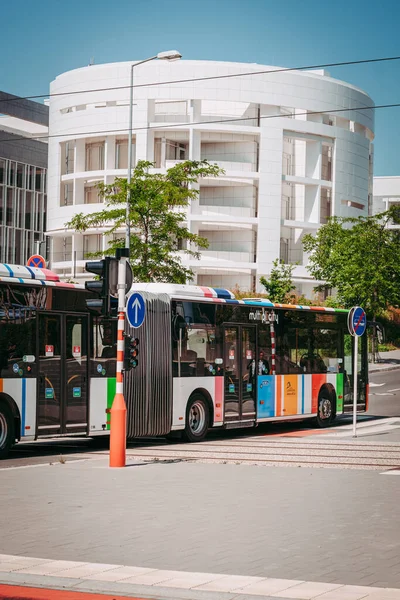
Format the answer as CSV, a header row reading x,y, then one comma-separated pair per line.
x,y
155,583
332,526
388,362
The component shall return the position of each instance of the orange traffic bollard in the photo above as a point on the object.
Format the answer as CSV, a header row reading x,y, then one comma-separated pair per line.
x,y
118,432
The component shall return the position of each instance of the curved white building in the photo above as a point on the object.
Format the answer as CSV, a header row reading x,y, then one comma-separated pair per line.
x,y
296,147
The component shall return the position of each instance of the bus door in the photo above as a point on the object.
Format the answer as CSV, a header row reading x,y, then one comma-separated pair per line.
x,y
239,385
62,405
362,372
75,414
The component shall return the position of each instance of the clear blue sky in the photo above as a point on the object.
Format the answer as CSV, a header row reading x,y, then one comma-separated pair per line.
x,y
43,38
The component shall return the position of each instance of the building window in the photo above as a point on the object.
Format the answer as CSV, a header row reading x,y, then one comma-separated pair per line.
x,y
31,176
3,170
92,244
121,154
95,156
326,173
284,250
287,208
67,194
92,195
287,164
12,170
326,205
10,207
39,179
20,175
67,249
176,151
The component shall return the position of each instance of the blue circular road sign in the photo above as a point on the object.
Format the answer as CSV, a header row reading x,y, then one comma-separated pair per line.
x,y
135,310
357,321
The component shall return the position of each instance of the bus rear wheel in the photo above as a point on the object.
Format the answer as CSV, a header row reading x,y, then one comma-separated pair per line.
x,y
6,430
326,409
197,419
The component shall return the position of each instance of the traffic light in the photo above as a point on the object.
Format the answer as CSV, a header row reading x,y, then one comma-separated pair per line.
x,y
106,284
131,353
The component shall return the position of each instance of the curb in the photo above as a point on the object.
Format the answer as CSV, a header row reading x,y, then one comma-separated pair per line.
x,y
383,369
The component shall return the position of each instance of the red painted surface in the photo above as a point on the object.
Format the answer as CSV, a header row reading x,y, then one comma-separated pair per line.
x,y
16,592
317,381
207,292
219,399
279,395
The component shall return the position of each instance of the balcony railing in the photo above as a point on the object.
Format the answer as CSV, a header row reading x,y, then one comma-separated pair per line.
x,y
208,210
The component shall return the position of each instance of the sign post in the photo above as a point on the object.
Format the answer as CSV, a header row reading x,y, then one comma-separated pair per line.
x,y
118,409
357,323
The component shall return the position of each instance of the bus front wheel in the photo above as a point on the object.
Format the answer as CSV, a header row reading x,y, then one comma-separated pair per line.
x,y
6,430
197,419
326,408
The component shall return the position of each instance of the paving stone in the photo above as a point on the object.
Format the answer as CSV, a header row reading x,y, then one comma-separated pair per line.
x,y
333,526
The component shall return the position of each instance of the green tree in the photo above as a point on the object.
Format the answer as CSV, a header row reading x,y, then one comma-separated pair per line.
x,y
157,219
279,285
360,259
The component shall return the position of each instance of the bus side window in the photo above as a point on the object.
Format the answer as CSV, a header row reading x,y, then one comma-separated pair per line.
x,y
104,347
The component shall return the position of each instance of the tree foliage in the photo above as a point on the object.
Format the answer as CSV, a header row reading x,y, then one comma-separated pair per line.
x,y
360,258
279,285
157,219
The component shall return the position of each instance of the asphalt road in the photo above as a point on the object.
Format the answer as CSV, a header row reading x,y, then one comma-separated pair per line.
x,y
384,397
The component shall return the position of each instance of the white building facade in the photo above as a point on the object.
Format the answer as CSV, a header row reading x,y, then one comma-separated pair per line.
x,y
296,148
386,194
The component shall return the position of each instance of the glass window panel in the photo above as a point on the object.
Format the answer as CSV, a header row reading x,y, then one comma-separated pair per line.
x,y
10,245
92,244
19,259
21,209
17,339
43,221
20,175
36,214
28,244
10,207
66,197
12,173
95,156
39,179
1,204
3,170
31,175
28,210
104,347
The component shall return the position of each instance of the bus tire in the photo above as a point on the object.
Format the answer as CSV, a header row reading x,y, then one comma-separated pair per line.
x,y
197,419
7,437
326,407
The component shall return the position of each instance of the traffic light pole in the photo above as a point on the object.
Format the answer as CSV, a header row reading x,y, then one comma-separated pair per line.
x,y
118,409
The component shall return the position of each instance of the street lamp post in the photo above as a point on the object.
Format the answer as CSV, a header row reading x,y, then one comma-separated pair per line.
x,y
168,55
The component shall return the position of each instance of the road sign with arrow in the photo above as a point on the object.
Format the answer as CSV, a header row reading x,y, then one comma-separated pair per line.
x,y
135,310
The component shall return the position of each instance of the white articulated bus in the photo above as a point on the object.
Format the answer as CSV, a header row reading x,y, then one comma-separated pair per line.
x,y
204,360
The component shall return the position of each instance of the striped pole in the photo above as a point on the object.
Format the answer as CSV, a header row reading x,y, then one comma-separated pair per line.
x,y
273,348
118,409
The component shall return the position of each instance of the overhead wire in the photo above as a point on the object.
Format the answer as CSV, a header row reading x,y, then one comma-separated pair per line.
x,y
207,78
189,124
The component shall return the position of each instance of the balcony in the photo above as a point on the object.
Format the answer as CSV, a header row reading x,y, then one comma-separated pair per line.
x,y
230,213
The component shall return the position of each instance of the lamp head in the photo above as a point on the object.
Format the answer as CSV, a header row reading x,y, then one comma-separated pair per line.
x,y
169,55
